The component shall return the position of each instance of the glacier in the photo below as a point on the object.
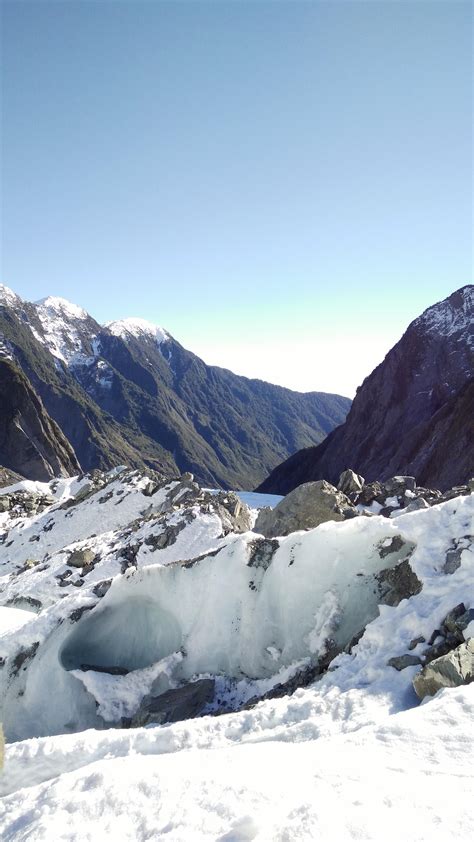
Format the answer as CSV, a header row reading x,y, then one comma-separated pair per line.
x,y
185,590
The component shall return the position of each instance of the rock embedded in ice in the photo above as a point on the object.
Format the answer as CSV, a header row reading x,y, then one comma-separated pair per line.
x,y
261,552
175,705
415,642
450,670
80,558
453,631
397,583
401,662
453,560
306,507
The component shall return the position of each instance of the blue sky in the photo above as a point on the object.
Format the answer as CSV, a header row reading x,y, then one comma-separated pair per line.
x,y
282,185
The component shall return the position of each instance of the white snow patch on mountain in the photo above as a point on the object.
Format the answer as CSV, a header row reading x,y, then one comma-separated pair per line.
x,y
6,349
54,305
137,327
446,320
62,324
8,296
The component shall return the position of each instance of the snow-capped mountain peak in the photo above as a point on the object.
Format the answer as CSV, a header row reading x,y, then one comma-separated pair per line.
x,y
56,305
137,328
67,330
9,297
451,316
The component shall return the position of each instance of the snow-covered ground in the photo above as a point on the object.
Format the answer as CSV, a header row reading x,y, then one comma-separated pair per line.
x,y
13,618
407,777
354,756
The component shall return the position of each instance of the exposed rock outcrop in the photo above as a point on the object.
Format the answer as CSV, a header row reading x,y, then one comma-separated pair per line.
x,y
350,483
450,670
401,662
183,702
448,658
398,583
401,495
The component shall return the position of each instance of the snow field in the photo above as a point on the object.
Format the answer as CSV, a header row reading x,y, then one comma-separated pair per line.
x,y
405,779
352,757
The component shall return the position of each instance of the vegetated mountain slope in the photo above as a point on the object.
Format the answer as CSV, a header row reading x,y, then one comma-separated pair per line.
x,y
240,423
128,392
30,441
412,415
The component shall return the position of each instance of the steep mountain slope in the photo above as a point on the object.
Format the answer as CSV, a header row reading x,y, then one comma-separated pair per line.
x,y
128,392
30,441
443,448
98,440
240,421
412,415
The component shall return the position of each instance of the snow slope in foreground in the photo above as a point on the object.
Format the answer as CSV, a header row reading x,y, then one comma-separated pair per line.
x,y
406,777
353,757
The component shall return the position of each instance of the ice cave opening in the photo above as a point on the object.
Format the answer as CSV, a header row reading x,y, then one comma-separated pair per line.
x,y
131,634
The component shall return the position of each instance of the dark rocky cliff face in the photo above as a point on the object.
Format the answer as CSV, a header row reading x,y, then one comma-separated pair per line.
x,y
407,412
30,441
443,448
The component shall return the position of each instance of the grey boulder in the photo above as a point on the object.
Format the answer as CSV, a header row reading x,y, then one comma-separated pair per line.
x,y
397,583
350,482
399,485
401,662
416,505
306,507
79,558
451,670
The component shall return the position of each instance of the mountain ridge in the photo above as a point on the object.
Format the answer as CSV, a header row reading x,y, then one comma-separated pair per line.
x,y
396,404
135,400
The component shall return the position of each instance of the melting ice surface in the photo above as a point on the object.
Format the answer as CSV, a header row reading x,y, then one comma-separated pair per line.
x,y
352,757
